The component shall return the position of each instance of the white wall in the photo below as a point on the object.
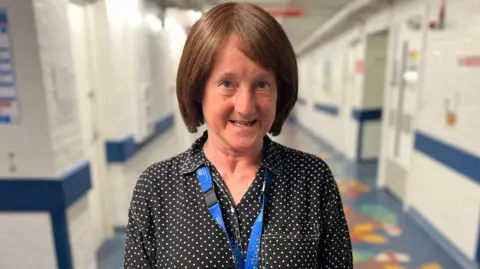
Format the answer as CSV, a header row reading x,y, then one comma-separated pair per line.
x,y
346,53
58,72
86,73
47,141
317,85
144,57
60,77
32,157
82,232
124,23
436,191
23,233
174,23
456,197
141,68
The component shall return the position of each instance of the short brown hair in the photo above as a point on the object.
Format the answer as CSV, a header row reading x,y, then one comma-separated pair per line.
x,y
263,41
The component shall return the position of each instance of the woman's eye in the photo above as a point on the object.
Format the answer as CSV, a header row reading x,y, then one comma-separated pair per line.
x,y
262,84
227,84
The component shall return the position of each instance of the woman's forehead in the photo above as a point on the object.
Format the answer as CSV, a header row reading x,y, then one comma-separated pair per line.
x,y
231,59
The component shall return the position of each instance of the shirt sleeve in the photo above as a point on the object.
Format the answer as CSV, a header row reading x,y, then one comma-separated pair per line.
x,y
140,247
335,249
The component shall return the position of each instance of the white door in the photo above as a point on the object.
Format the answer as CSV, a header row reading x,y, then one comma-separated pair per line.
x,y
88,114
402,98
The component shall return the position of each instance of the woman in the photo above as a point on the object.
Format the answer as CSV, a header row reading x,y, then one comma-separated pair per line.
x,y
236,199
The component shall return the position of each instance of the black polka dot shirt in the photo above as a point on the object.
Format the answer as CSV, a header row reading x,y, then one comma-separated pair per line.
x,y
304,226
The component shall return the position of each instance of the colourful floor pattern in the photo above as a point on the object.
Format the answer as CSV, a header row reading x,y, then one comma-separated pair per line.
x,y
383,236
381,239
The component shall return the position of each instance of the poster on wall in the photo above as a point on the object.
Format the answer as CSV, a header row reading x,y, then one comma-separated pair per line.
x,y
62,92
451,103
9,107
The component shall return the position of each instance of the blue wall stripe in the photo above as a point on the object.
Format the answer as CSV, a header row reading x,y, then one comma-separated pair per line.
x,y
61,239
478,245
44,194
450,156
362,116
30,195
367,114
160,127
76,185
327,108
52,195
121,151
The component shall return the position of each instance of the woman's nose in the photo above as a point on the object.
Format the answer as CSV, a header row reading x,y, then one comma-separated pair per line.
x,y
245,102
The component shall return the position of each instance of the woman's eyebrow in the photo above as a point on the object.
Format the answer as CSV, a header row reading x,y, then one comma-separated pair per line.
x,y
227,74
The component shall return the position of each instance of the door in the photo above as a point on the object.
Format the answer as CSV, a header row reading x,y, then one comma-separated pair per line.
x,y
402,98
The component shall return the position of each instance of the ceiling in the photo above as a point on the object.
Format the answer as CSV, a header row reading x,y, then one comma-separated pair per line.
x,y
299,27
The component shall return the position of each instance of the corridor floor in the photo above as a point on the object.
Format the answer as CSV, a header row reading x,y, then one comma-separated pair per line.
x,y
383,236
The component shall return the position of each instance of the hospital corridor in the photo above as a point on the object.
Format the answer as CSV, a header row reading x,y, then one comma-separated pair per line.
x,y
388,98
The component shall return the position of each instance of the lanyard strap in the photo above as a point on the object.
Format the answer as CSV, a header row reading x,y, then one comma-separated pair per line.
x,y
251,262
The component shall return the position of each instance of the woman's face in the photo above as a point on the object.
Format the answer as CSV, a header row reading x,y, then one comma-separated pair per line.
x,y
239,100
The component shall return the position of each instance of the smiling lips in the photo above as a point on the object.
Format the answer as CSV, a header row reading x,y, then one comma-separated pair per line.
x,y
243,123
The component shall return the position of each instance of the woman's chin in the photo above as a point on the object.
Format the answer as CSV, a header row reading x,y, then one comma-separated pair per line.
x,y
245,142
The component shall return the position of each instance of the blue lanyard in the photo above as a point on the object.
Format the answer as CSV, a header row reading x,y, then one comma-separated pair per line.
x,y
251,262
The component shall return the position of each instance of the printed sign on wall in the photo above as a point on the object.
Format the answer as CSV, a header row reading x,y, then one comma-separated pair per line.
x,y
9,108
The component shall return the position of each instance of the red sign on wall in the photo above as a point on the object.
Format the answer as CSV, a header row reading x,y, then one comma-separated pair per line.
x,y
288,13
470,61
359,66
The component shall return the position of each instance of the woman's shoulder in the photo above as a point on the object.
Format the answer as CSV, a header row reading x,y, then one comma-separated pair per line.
x,y
294,158
162,171
307,168
302,165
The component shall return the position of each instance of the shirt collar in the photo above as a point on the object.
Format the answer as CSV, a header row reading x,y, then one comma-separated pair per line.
x,y
194,157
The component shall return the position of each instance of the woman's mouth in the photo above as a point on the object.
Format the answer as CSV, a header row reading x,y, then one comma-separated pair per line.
x,y
243,123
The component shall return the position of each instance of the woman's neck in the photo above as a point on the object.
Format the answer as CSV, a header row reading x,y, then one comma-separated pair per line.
x,y
228,160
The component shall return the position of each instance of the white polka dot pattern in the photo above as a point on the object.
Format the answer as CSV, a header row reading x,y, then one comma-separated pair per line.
x,y
304,227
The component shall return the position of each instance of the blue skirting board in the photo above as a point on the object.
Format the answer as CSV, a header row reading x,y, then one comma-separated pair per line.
x,y
121,151
49,195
